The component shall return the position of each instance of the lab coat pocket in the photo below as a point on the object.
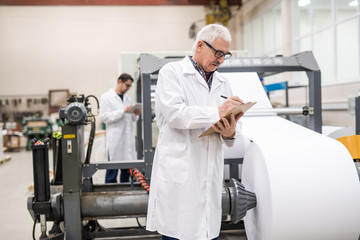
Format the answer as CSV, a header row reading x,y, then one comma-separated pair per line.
x,y
173,162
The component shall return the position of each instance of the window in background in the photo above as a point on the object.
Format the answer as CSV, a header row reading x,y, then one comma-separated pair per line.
x,y
278,26
345,8
269,31
322,14
263,34
305,44
324,55
248,43
301,45
302,23
333,37
329,28
347,50
257,37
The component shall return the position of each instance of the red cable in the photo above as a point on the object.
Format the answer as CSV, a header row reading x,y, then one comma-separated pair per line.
x,y
140,178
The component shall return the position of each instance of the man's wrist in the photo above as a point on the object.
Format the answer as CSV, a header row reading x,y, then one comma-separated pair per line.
x,y
229,138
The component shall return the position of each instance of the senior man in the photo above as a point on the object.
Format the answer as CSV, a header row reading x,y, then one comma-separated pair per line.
x,y
187,175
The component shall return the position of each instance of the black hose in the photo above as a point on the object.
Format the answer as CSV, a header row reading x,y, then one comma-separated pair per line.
x,y
33,232
92,131
91,141
97,101
139,224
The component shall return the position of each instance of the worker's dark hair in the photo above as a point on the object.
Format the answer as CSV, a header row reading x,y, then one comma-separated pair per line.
x,y
124,77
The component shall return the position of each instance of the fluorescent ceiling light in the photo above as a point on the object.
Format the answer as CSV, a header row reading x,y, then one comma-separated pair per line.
x,y
354,3
303,3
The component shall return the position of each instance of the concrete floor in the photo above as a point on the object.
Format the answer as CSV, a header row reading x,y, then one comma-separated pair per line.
x,y
16,179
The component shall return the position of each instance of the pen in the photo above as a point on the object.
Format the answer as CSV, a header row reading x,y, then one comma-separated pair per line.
x,y
223,96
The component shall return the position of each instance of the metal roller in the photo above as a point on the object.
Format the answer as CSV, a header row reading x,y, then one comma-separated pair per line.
x,y
96,205
281,111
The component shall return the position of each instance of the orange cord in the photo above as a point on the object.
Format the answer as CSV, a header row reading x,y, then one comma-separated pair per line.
x,y
139,177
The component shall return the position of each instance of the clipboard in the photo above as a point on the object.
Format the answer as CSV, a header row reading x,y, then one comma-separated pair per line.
x,y
236,110
135,107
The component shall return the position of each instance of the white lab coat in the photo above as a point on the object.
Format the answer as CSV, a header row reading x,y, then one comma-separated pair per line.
x,y
187,175
120,136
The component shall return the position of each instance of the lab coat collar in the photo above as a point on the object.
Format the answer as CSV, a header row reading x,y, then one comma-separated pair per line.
x,y
115,95
190,69
188,66
113,92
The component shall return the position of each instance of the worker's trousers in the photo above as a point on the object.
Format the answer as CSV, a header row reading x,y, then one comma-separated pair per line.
x,y
111,175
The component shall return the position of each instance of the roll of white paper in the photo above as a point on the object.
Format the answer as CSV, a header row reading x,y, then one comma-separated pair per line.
x,y
306,184
247,86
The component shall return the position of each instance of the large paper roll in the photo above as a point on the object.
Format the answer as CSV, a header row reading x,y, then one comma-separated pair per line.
x,y
306,184
248,87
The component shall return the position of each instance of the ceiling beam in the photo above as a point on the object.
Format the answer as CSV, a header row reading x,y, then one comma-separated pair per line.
x,y
110,2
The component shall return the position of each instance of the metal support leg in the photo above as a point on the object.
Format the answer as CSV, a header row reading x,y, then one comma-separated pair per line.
x,y
73,158
72,216
286,95
147,117
234,171
357,115
139,130
315,120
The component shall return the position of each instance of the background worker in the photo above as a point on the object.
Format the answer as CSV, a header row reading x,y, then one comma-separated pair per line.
x,y
187,174
114,112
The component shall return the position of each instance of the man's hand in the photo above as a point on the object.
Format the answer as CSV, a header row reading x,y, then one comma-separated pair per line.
x,y
128,108
223,126
227,128
137,112
228,105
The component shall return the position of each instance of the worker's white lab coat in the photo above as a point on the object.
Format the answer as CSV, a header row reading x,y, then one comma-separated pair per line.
x,y
120,136
187,175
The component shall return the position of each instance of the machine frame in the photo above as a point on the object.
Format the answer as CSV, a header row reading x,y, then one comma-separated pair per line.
x,y
150,65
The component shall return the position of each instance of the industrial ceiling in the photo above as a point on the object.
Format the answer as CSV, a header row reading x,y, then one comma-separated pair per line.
x,y
110,2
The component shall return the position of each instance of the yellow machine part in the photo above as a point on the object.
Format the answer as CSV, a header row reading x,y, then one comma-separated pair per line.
x,y
352,143
218,13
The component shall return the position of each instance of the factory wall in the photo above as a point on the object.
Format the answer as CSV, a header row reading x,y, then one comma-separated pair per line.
x,y
328,28
79,48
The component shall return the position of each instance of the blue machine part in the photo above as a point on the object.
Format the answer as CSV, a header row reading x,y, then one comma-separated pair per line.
x,y
275,86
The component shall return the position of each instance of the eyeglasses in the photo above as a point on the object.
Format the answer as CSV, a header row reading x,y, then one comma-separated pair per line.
x,y
217,53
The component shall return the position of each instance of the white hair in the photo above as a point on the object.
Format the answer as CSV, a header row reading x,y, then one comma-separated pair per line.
x,y
211,32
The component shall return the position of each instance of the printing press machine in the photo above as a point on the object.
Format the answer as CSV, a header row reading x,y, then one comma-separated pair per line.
x,y
75,202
